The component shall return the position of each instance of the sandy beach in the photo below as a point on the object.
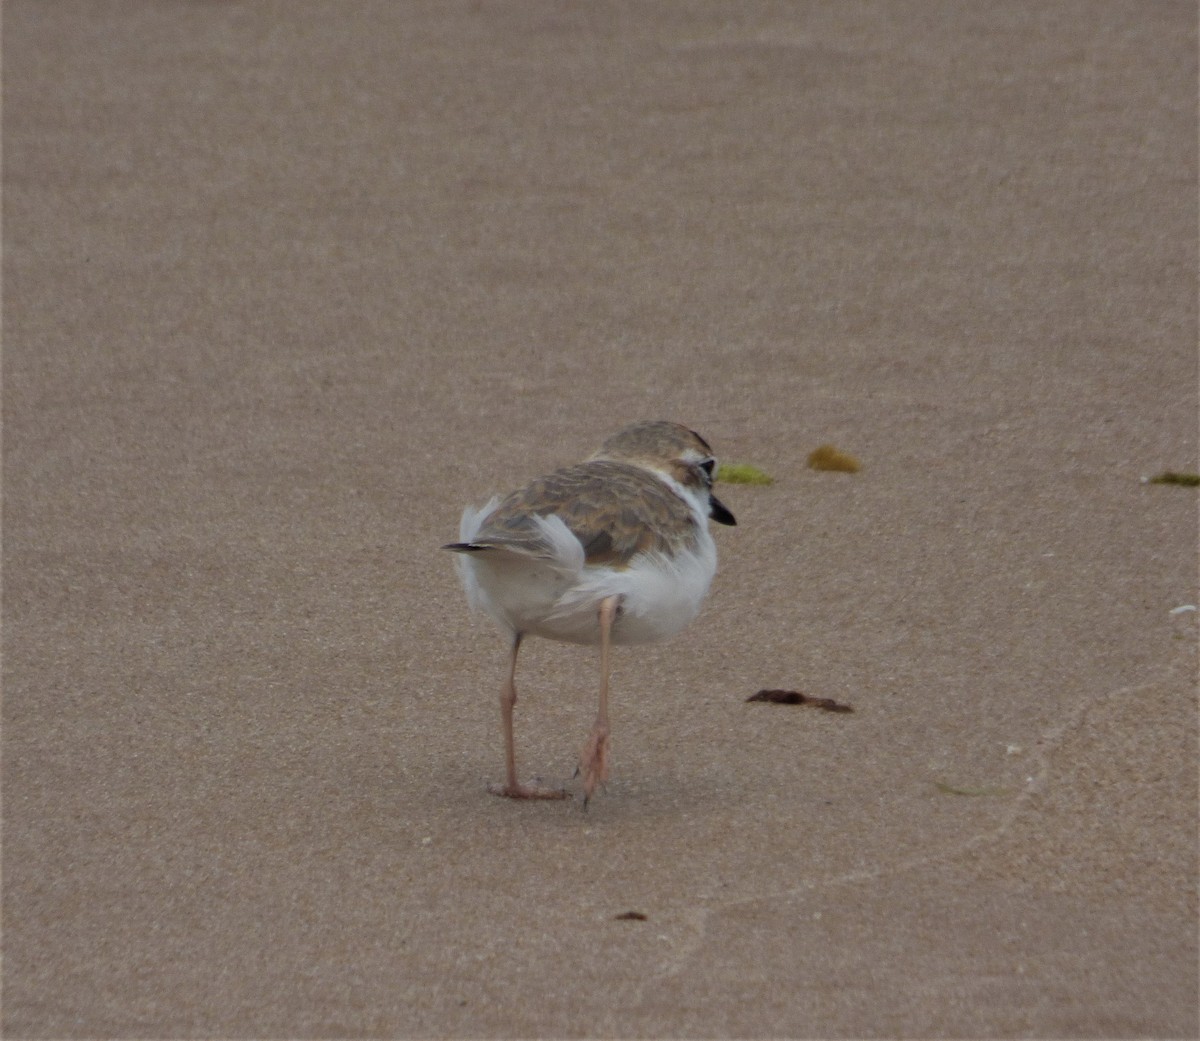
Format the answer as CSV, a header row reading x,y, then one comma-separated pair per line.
x,y
286,286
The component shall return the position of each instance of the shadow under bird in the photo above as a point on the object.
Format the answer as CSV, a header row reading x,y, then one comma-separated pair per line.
x,y
612,550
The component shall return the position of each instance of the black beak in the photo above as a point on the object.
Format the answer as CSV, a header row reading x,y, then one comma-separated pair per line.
x,y
718,512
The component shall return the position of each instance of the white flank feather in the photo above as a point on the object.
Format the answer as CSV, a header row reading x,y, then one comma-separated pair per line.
x,y
472,520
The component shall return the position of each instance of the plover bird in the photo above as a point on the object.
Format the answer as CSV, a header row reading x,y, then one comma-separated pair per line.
x,y
612,550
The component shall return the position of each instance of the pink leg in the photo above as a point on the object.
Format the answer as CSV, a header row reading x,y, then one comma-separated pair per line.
x,y
512,788
593,760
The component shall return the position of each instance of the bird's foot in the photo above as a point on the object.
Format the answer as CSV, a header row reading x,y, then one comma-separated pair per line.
x,y
528,791
593,761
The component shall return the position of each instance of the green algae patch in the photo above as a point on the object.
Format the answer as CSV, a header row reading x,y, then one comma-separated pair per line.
x,y
1187,480
742,473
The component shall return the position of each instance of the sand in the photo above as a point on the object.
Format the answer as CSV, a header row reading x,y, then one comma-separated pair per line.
x,y
286,285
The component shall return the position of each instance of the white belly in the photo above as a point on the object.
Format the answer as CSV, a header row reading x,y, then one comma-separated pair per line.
x,y
659,595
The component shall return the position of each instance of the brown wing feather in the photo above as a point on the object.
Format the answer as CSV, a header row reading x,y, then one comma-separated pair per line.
x,y
615,510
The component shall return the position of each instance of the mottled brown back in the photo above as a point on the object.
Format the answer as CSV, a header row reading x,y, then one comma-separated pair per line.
x,y
616,510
